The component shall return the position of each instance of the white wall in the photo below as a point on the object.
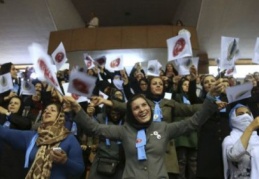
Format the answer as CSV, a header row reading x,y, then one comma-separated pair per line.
x,y
232,18
25,21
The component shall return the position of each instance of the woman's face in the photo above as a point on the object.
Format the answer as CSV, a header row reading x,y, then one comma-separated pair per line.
x,y
185,86
250,78
208,82
13,71
66,107
36,96
141,110
50,114
54,93
115,115
14,105
90,72
156,86
38,87
143,85
169,67
118,95
225,83
242,110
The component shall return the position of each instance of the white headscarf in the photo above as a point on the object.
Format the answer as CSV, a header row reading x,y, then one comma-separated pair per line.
x,y
239,124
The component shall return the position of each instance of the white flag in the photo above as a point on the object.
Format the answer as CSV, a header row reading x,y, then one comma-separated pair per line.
x,y
81,84
114,64
231,71
183,65
153,68
6,82
27,88
179,47
42,65
104,96
78,98
236,93
59,56
89,62
256,52
229,52
100,61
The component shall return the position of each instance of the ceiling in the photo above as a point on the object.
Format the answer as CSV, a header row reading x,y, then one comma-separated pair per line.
x,y
25,21
134,12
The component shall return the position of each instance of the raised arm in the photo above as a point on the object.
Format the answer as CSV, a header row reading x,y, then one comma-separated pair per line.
x,y
208,108
90,124
16,138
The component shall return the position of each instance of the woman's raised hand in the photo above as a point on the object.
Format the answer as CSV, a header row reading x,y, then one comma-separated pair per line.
x,y
90,109
74,104
193,72
97,100
217,88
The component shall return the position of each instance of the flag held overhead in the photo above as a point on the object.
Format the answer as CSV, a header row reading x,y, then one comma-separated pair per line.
x,y
179,47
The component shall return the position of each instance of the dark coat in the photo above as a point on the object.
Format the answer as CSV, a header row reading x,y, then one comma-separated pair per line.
x,y
210,138
11,159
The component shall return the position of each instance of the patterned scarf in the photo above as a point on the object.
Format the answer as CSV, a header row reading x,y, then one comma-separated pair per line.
x,y
50,135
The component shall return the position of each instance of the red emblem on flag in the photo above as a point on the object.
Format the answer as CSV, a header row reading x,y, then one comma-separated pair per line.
x,y
179,46
59,57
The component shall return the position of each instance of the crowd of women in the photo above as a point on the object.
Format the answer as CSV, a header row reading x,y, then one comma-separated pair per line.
x,y
136,133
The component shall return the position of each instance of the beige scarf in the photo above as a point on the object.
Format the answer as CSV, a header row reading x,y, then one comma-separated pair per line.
x,y
50,135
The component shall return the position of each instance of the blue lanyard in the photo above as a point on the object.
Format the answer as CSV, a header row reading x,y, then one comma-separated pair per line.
x,y
108,143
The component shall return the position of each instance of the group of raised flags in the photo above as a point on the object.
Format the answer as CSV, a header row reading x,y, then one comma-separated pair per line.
x,y
80,84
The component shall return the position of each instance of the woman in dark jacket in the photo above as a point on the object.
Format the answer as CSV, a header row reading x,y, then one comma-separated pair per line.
x,y
186,145
7,95
11,159
107,149
211,134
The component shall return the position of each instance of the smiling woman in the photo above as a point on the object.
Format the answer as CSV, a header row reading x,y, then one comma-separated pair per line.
x,y
11,160
144,141
44,162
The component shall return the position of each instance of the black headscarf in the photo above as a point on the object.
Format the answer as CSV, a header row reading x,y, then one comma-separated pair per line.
x,y
19,112
149,94
108,109
139,82
131,120
5,68
180,88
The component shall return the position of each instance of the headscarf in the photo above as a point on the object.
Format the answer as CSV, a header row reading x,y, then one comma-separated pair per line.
x,y
5,68
130,117
149,93
239,124
179,87
139,82
19,112
203,92
49,135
